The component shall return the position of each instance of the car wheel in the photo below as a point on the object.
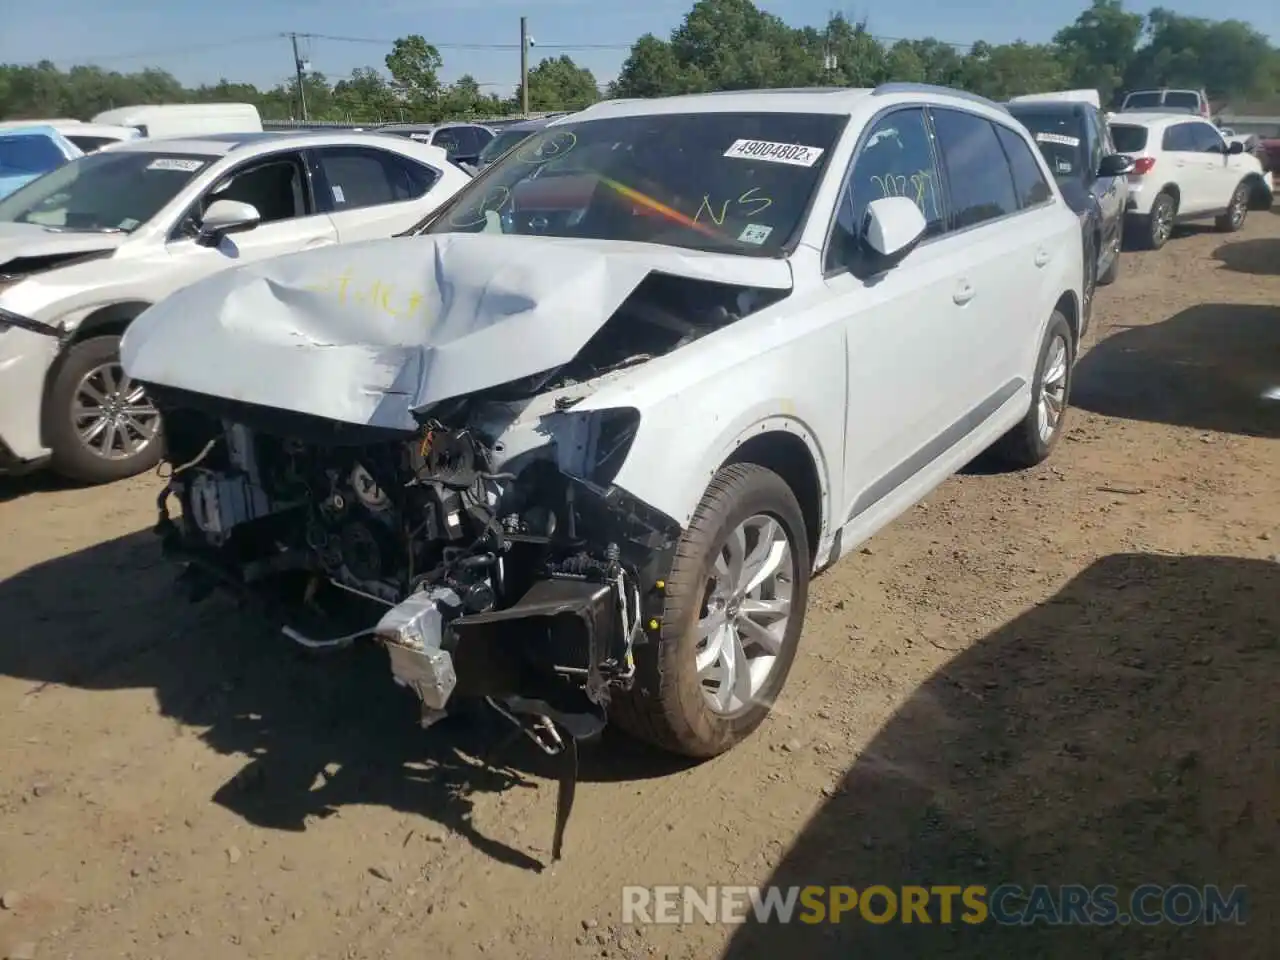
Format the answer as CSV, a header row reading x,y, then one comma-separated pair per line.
x,y
733,610
1159,226
1237,210
99,423
1032,440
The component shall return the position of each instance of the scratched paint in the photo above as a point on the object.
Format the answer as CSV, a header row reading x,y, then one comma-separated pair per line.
x,y
349,290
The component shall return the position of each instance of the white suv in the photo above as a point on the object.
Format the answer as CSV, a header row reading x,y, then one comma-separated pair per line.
x,y
85,249
1184,170
632,387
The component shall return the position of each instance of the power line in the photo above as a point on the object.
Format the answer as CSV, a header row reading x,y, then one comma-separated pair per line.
x,y
158,52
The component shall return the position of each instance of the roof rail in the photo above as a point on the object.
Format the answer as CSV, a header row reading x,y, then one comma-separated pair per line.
x,y
897,86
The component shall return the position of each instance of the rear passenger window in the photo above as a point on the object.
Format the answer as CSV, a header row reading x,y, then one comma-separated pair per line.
x,y
977,172
363,177
1029,183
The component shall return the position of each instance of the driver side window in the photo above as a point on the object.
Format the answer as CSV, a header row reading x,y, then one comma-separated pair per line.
x,y
276,187
896,160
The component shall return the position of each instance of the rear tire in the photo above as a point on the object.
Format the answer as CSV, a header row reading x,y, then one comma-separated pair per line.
x,y
670,705
1032,440
1158,225
89,391
1237,211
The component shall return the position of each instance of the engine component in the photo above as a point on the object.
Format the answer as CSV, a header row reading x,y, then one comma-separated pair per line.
x,y
221,501
367,490
450,457
413,632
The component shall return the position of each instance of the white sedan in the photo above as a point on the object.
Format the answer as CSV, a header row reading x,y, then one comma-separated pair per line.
x,y
87,248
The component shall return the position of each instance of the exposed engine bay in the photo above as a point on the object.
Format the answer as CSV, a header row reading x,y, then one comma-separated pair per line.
x,y
490,564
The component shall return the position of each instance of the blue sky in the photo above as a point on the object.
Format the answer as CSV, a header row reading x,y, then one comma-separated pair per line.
x,y
202,40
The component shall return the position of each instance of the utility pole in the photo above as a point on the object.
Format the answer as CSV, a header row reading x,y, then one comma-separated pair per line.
x,y
299,65
524,66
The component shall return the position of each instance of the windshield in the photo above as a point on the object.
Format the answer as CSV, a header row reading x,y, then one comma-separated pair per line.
x,y
1183,100
504,141
1139,101
1128,138
28,153
710,181
113,191
1060,137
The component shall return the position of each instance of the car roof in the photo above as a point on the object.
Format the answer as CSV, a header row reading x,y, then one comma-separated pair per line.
x,y
1048,106
834,100
1139,118
35,130
224,144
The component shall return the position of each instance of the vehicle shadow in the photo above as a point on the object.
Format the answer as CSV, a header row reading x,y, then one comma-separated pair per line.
x,y
1123,732
1258,257
41,481
109,618
1209,367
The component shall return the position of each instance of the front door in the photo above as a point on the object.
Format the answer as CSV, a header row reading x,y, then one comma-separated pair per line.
x,y
279,189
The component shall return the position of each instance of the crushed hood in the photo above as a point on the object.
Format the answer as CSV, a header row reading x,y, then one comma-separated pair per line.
x,y
23,241
365,333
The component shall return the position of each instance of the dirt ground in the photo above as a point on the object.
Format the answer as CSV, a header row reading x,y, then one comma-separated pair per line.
x,y
1066,675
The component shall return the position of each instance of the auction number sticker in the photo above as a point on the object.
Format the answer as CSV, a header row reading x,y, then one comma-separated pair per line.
x,y
1058,138
175,165
795,154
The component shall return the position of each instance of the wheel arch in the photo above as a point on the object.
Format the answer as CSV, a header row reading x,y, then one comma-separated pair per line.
x,y
109,320
784,451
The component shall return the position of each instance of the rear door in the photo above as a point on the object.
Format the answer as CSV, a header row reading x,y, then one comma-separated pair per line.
x,y
373,193
1191,172
999,246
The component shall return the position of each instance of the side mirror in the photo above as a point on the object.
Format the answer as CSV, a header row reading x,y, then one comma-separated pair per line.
x,y
224,217
1115,165
1235,147
891,229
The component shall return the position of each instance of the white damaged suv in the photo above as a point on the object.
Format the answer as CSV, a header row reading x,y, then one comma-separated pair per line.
x,y
578,446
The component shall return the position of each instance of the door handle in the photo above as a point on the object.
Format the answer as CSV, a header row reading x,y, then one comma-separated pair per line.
x,y
1042,257
964,293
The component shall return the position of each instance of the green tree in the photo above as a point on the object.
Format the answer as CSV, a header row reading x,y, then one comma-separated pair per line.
x,y
1097,49
651,70
415,66
560,84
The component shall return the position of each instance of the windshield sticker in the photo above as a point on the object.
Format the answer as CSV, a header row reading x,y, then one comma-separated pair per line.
x,y
420,136
551,148
338,195
755,233
1057,138
175,165
794,154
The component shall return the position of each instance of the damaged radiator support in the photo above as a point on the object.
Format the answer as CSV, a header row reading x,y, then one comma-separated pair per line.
x,y
513,658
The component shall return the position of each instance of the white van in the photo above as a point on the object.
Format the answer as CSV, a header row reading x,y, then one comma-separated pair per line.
x,y
185,119
1074,96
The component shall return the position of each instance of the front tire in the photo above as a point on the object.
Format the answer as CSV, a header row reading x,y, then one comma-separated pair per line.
x,y
1032,440
733,611
98,423
1237,210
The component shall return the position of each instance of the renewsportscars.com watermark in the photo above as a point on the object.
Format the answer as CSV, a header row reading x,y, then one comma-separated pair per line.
x,y
1006,905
